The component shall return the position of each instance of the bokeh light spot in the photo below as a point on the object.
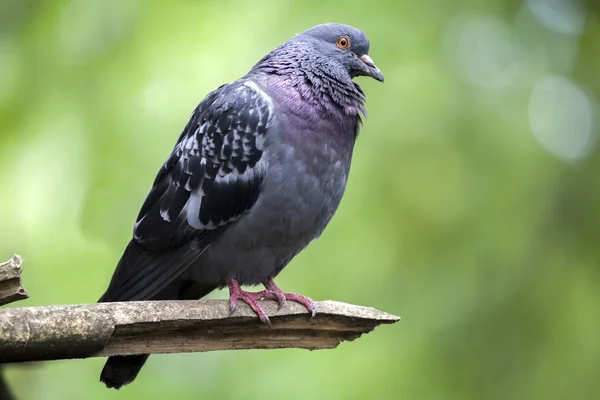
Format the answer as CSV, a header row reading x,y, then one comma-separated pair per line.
x,y
561,116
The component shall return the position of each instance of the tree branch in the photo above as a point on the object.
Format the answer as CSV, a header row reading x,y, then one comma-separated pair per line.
x,y
147,327
11,288
106,329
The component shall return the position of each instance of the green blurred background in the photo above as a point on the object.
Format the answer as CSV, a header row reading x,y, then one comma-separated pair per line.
x,y
472,209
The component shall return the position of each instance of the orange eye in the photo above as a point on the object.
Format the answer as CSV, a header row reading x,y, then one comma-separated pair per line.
x,y
343,42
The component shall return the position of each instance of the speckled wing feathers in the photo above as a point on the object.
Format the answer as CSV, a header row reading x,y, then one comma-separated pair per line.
x,y
213,174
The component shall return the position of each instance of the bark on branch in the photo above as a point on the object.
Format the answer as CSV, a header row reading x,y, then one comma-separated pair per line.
x,y
107,329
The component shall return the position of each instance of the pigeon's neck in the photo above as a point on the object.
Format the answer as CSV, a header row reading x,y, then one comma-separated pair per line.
x,y
315,81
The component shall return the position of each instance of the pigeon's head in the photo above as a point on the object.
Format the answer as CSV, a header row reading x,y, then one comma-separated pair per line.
x,y
343,45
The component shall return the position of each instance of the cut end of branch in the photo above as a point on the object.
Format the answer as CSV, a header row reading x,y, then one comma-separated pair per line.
x,y
11,287
206,325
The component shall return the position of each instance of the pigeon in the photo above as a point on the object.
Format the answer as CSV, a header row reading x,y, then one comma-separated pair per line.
x,y
256,175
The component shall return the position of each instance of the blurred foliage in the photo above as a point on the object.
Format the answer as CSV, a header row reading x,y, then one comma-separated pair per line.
x,y
472,207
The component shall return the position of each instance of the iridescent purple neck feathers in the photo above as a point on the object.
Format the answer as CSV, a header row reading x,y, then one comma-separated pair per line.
x,y
317,79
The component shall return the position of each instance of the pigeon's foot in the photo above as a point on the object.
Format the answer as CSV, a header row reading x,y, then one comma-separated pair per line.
x,y
274,293
271,292
251,298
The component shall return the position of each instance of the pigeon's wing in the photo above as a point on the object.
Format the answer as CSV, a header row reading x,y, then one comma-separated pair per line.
x,y
212,177
215,171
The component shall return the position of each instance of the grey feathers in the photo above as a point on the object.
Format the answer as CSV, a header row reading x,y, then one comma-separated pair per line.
x,y
290,122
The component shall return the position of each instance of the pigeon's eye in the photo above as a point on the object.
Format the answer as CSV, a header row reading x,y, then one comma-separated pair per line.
x,y
343,42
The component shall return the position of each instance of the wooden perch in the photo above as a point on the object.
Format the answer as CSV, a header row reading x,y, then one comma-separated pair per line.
x,y
108,329
11,288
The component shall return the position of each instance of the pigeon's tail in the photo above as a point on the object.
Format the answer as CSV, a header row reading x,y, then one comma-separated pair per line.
x,y
121,370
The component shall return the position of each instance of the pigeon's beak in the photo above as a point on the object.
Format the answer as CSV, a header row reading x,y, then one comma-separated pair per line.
x,y
371,69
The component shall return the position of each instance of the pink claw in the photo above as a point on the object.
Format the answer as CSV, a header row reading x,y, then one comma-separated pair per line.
x,y
277,294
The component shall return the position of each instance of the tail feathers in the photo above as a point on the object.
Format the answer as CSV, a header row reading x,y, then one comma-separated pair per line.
x,y
121,370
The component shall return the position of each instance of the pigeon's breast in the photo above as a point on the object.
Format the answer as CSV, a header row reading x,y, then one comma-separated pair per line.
x,y
306,178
